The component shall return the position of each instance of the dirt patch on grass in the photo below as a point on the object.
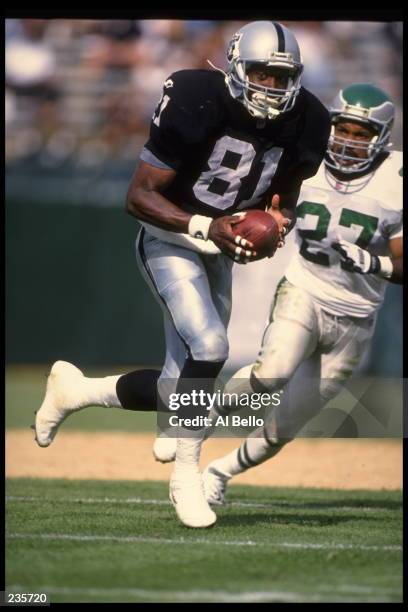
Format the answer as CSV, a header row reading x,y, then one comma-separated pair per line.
x,y
334,464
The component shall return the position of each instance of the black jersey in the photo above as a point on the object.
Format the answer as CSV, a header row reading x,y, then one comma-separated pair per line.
x,y
226,160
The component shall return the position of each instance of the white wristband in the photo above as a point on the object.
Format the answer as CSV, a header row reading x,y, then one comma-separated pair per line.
x,y
199,226
386,267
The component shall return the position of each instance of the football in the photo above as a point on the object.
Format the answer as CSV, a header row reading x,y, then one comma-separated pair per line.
x,y
261,229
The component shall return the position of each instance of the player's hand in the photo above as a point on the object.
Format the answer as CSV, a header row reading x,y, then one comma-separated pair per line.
x,y
356,259
280,219
237,248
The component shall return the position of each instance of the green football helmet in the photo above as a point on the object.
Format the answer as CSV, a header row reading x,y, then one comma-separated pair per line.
x,y
362,103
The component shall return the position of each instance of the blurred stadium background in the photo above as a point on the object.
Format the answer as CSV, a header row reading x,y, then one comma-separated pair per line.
x,y
79,98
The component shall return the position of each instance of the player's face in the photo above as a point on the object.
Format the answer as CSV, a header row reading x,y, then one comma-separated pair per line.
x,y
268,76
355,134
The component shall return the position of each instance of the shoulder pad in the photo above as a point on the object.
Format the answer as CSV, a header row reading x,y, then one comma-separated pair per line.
x,y
194,104
189,110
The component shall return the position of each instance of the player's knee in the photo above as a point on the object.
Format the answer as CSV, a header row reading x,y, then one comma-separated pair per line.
x,y
211,346
268,378
274,369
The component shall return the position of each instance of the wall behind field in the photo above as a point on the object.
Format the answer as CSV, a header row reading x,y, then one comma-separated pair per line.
x,y
74,292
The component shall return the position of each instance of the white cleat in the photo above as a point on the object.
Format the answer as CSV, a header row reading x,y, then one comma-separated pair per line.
x,y
187,497
215,485
59,402
164,449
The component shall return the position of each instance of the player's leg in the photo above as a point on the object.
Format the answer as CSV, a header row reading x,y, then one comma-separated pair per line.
x,y
347,340
219,273
290,338
165,444
343,343
69,391
181,282
166,268
164,447
220,281
299,403
219,278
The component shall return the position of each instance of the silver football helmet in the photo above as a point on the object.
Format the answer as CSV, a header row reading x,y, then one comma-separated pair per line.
x,y
362,103
271,44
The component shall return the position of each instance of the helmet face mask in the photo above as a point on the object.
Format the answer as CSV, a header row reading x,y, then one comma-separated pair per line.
x,y
341,149
367,106
262,101
271,45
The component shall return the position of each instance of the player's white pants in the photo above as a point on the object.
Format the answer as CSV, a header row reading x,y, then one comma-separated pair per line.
x,y
194,291
329,348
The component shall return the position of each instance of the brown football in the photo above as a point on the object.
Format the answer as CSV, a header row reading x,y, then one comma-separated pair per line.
x,y
261,229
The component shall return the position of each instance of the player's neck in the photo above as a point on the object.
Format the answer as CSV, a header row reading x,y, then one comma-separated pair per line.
x,y
343,184
354,181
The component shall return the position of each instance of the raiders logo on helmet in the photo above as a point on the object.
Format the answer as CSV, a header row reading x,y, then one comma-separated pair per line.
x,y
232,51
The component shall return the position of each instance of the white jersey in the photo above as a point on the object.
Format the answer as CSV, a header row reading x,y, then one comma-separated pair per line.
x,y
368,217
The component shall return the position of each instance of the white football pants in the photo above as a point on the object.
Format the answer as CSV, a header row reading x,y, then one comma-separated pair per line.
x,y
327,347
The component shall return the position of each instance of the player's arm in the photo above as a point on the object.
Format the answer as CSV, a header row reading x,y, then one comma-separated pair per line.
x,y
397,260
356,259
146,202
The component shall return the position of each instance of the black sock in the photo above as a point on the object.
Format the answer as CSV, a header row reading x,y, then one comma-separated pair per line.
x,y
138,390
200,369
197,376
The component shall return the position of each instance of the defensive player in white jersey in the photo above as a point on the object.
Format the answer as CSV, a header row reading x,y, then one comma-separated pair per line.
x,y
349,237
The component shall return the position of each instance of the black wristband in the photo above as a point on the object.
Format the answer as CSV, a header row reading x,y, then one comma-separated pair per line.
x,y
375,265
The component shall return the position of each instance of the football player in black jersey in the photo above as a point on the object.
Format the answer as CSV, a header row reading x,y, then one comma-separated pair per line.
x,y
220,143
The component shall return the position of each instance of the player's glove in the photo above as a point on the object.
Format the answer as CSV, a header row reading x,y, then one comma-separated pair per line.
x,y
356,259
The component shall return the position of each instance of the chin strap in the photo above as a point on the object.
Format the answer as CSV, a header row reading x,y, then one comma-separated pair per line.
x,y
216,68
227,78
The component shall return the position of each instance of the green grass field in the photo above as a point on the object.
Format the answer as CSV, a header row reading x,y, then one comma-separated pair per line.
x,y
102,541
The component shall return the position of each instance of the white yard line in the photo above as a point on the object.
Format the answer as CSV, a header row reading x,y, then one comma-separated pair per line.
x,y
163,502
136,539
218,596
